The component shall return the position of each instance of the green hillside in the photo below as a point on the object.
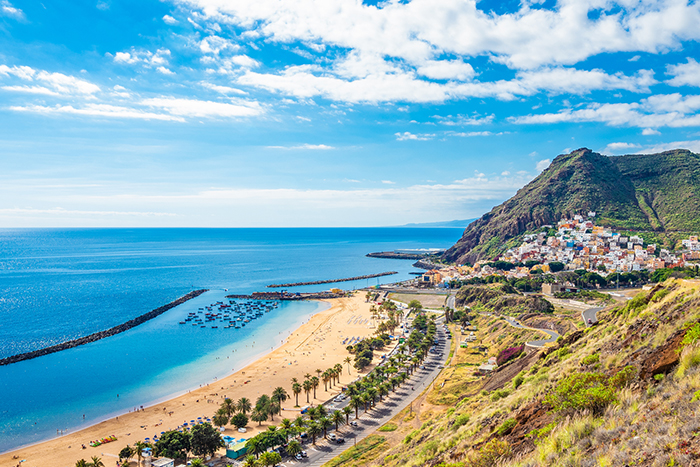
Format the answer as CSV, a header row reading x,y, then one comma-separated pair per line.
x,y
650,192
624,392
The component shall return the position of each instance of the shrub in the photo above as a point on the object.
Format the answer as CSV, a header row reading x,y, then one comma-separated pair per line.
x,y
581,391
509,354
499,394
691,335
388,427
623,377
518,381
690,357
590,359
506,427
489,454
461,420
658,296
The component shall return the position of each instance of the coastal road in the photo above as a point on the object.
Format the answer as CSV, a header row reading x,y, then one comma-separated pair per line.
x,y
553,335
384,411
590,314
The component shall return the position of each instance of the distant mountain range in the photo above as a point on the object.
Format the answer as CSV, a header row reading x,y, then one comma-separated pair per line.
x,y
451,224
643,192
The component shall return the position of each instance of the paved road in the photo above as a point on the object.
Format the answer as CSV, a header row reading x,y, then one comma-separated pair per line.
x,y
384,411
553,335
590,315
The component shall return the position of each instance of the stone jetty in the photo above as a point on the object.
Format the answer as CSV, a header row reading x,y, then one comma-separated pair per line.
x,y
330,281
102,334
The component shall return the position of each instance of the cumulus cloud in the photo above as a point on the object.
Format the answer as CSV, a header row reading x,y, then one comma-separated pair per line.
x,y
167,19
664,110
146,58
421,30
684,74
97,110
53,83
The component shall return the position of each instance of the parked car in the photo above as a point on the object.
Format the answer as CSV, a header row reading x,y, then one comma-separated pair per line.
x,y
304,454
299,457
340,440
332,436
353,423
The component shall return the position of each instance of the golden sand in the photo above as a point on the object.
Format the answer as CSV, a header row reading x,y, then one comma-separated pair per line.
x,y
317,344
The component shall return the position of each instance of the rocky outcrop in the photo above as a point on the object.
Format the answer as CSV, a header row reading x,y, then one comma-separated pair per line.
x,y
102,334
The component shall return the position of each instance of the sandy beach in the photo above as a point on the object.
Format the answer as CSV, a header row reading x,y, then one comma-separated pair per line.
x,y
317,344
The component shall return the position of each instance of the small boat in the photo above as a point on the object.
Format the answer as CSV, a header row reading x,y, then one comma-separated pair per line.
x,y
182,322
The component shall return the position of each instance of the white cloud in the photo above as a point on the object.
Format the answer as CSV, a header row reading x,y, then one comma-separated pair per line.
x,y
144,57
7,9
462,120
388,182
684,74
421,30
650,131
31,90
619,147
97,110
469,134
102,5
215,44
54,83
312,147
446,69
691,145
505,173
198,108
223,89
664,110
165,71
408,136
167,19
543,164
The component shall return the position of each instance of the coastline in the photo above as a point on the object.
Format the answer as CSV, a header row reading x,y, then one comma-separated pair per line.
x,y
306,348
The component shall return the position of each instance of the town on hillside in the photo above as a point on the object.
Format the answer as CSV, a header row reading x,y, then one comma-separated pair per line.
x,y
573,244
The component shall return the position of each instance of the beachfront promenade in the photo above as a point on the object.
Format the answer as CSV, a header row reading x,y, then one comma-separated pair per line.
x,y
384,411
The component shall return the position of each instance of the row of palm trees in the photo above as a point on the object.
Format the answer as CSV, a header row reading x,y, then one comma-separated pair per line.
x,y
364,394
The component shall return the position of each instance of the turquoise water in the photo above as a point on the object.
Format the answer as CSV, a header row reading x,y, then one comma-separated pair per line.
x,y
59,284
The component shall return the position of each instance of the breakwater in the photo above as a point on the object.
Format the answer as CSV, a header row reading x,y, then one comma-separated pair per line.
x,y
101,334
396,255
330,281
288,296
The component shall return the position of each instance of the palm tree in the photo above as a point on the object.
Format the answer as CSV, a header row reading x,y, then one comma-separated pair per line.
x,y
318,372
255,445
355,403
243,405
314,384
307,388
229,407
273,409
81,463
279,395
314,430
347,410
326,377
197,462
348,360
372,393
96,462
220,419
258,416
296,389
307,376
294,448
338,418
140,446
339,370
249,461
325,423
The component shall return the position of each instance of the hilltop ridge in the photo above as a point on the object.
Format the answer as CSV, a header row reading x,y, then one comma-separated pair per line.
x,y
643,192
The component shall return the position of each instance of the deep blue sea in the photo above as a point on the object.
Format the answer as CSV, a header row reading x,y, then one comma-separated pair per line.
x,y
60,284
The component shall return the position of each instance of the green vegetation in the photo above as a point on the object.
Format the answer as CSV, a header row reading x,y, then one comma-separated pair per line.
x,y
356,455
582,391
506,427
388,427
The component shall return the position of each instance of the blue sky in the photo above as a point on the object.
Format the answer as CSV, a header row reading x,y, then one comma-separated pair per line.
x,y
229,113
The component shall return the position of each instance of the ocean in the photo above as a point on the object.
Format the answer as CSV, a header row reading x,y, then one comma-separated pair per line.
x,y
60,284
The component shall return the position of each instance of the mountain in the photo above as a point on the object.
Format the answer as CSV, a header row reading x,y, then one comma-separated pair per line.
x,y
449,224
642,192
